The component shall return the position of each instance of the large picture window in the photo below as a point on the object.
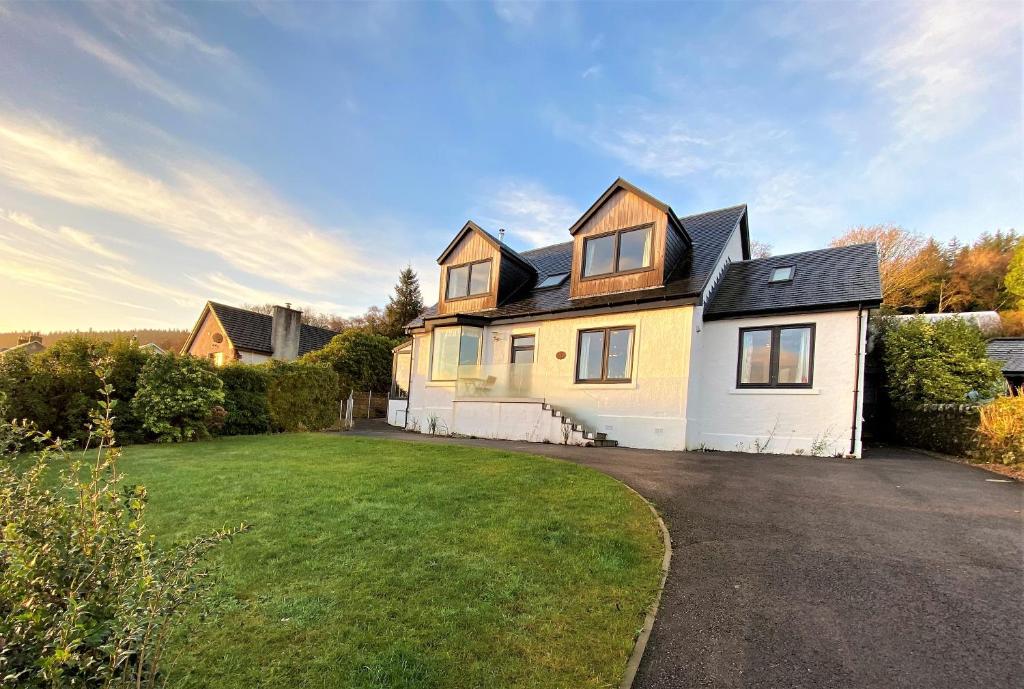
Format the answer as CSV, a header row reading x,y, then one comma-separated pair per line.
x,y
605,355
453,347
469,280
623,251
780,356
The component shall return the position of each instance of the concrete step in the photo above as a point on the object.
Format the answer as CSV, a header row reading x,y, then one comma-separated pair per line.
x,y
605,443
589,435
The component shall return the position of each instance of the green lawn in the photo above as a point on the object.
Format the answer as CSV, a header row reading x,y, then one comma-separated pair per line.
x,y
386,564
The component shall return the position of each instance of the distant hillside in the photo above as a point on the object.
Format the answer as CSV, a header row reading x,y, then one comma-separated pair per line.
x,y
171,340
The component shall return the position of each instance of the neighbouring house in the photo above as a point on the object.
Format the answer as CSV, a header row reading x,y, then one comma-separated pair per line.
x,y
30,344
645,329
153,348
1009,351
225,333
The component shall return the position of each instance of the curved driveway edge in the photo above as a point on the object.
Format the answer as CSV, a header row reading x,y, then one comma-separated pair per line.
x,y
897,570
633,664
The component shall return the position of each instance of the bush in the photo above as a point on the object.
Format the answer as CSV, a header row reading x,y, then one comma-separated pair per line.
x,y
937,362
303,396
86,599
176,396
55,389
1001,431
361,360
245,399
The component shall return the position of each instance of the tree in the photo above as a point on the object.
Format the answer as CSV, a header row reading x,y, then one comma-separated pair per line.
x,y
760,249
176,397
931,294
1015,276
899,253
978,280
361,359
938,361
406,303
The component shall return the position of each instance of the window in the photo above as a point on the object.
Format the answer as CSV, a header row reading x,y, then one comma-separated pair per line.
x,y
781,274
453,347
552,280
400,370
605,356
522,349
781,356
618,252
469,280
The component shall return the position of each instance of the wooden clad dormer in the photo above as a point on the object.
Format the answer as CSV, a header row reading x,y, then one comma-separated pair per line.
x,y
628,240
478,272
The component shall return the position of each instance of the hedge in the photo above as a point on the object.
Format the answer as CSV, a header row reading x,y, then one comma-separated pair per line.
x,y
303,396
245,399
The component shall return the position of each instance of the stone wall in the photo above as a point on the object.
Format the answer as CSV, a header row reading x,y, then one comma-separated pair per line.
x,y
948,428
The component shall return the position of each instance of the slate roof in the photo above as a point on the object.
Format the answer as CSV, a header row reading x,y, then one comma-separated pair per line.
x,y
250,331
1009,351
843,275
709,233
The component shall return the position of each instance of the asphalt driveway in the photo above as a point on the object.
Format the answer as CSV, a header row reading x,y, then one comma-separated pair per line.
x,y
897,570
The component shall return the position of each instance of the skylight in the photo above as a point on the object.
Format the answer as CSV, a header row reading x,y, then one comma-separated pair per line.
x,y
553,280
781,274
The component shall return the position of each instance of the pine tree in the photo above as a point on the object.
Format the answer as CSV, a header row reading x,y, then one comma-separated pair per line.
x,y
406,304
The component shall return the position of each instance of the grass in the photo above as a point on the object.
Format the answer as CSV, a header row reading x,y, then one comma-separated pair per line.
x,y
378,564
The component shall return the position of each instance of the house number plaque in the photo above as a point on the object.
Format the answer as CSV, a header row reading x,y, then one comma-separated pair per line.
x,y
560,355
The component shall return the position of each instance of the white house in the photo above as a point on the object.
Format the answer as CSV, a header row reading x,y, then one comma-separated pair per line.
x,y
646,330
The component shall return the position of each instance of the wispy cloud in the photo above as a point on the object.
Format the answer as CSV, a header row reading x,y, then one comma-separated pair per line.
x,y
63,235
592,71
217,208
135,73
531,214
223,287
517,12
43,259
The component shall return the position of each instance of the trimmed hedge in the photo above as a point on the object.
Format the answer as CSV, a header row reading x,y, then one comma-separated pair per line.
x,y
303,396
948,428
245,399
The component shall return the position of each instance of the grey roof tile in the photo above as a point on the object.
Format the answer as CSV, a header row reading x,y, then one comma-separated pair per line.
x,y
709,232
1009,351
843,275
250,331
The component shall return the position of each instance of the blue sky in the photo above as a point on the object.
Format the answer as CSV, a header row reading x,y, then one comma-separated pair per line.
x,y
153,156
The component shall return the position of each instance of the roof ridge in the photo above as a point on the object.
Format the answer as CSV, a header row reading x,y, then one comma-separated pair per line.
x,y
542,248
803,253
715,210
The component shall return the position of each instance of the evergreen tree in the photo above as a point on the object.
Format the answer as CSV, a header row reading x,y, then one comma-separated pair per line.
x,y
406,304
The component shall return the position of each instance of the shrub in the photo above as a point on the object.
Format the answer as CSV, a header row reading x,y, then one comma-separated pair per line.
x,y
176,396
63,387
1001,431
361,360
55,388
938,362
245,399
86,599
303,396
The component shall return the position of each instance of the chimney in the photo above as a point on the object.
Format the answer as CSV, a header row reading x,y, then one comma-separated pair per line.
x,y
286,323
501,235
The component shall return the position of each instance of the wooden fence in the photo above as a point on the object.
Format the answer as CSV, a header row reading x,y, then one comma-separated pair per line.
x,y
369,405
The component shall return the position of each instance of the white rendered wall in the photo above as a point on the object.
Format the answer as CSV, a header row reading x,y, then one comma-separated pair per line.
x,y
738,419
649,412
733,251
396,412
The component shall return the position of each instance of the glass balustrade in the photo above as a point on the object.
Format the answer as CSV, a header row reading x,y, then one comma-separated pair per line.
x,y
497,381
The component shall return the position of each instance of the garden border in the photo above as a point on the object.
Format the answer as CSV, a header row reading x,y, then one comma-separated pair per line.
x,y
640,645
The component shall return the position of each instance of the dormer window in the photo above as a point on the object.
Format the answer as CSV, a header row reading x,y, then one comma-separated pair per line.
x,y
622,251
781,274
469,280
552,280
